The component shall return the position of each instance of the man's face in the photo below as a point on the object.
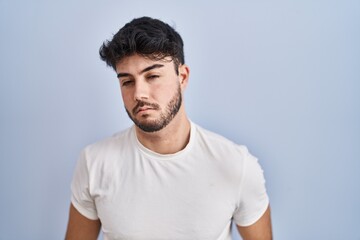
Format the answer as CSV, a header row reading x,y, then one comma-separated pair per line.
x,y
151,91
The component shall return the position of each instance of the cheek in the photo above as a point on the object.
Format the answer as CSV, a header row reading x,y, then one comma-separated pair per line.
x,y
126,97
166,93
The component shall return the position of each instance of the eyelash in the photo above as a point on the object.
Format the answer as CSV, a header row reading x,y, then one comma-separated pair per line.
x,y
126,83
151,77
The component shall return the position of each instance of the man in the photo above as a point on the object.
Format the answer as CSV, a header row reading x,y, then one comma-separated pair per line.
x,y
165,177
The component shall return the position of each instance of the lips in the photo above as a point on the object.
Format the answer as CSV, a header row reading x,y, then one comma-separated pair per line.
x,y
144,106
143,109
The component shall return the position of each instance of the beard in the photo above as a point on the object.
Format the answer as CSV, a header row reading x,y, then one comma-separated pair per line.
x,y
165,117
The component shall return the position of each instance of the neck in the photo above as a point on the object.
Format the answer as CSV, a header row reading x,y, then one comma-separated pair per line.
x,y
171,139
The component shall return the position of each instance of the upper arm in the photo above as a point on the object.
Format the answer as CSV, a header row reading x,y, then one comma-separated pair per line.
x,y
260,230
80,227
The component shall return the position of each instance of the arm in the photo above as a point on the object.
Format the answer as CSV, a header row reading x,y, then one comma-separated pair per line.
x,y
260,230
80,227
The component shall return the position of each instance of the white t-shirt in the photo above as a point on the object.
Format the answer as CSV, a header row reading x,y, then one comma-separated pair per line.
x,y
193,194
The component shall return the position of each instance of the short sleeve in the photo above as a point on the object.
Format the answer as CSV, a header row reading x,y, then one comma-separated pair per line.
x,y
80,190
253,199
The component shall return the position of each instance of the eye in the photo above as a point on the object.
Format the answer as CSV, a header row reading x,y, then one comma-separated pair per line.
x,y
127,83
151,77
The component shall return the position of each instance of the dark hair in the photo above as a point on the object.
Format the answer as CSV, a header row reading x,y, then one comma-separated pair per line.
x,y
146,36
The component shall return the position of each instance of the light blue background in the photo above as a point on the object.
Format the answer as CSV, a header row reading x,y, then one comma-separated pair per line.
x,y
281,77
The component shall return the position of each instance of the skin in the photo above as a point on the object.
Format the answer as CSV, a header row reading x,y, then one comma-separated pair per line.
x,y
80,227
260,230
157,84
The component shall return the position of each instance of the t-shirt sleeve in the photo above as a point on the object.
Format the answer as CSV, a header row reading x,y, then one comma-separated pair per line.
x,y
253,199
80,189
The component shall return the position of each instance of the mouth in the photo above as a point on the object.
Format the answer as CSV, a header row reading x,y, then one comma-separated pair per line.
x,y
142,107
141,110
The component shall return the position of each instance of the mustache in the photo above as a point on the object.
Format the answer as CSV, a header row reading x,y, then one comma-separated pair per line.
x,y
141,104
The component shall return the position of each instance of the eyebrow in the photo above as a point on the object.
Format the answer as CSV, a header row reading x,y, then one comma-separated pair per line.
x,y
119,75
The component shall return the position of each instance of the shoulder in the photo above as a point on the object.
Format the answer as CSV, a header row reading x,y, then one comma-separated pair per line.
x,y
232,160
228,157
108,147
218,143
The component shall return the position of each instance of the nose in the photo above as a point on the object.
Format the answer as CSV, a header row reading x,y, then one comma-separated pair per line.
x,y
141,91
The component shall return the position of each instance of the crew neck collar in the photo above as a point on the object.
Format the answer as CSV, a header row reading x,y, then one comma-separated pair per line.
x,y
163,157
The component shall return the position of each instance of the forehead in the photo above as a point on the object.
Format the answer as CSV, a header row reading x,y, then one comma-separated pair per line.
x,y
136,63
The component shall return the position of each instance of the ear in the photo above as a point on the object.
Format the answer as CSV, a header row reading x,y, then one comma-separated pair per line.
x,y
184,73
